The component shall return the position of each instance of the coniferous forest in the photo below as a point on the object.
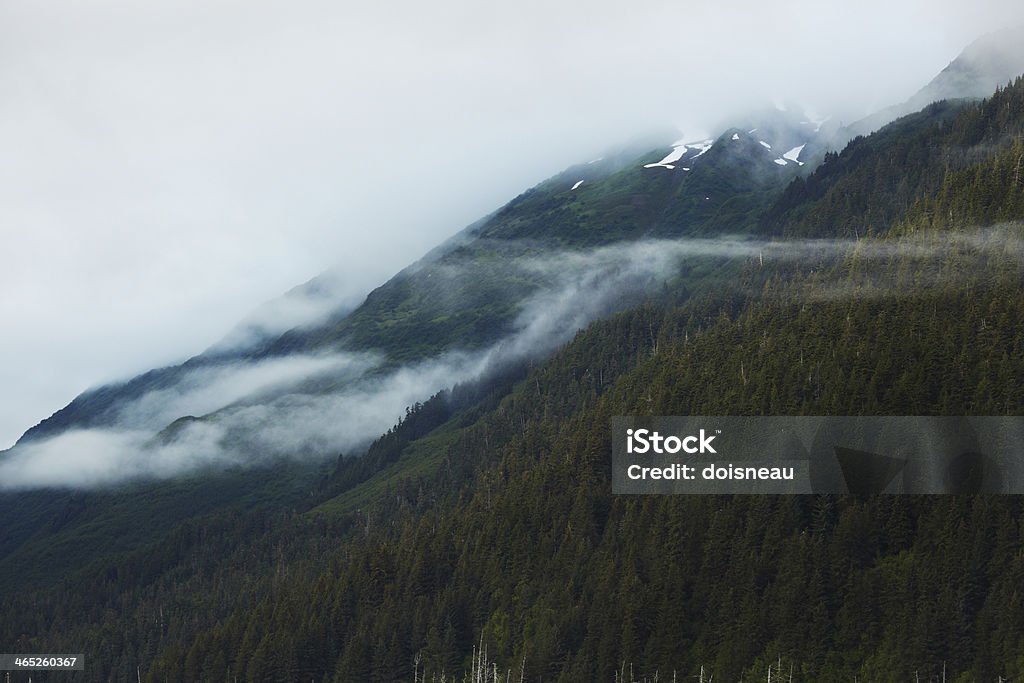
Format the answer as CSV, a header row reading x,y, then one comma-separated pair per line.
x,y
480,533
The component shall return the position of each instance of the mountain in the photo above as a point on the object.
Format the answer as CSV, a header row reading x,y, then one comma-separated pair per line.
x,y
469,295
990,62
477,529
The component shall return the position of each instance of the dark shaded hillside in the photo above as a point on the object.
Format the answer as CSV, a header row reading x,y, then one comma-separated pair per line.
x,y
516,539
876,179
513,537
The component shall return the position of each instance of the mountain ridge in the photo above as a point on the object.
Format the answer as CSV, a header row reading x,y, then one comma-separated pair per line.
x,y
607,200
991,61
550,215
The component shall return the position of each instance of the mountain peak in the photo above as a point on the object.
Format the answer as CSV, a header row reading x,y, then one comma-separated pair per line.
x,y
988,63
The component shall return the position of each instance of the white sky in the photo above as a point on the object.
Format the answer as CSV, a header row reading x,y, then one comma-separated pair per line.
x,y
165,167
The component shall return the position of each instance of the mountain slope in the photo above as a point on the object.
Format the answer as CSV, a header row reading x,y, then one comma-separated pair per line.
x,y
516,541
486,515
990,62
877,178
470,294
701,188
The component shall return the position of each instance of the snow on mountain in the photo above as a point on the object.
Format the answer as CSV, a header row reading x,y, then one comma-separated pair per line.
x,y
679,150
794,154
702,146
772,130
668,162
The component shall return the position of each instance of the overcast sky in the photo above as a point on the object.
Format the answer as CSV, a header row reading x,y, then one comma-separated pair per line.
x,y
166,167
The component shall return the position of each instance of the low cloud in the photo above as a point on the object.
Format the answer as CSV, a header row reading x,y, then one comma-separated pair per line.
x,y
167,165
210,389
316,406
329,294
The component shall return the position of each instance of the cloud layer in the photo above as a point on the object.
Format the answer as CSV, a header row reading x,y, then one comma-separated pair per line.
x,y
168,166
315,406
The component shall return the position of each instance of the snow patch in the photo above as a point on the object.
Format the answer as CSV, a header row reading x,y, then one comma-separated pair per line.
x,y
765,144
578,183
675,155
780,162
702,146
794,154
595,160
735,136
679,148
